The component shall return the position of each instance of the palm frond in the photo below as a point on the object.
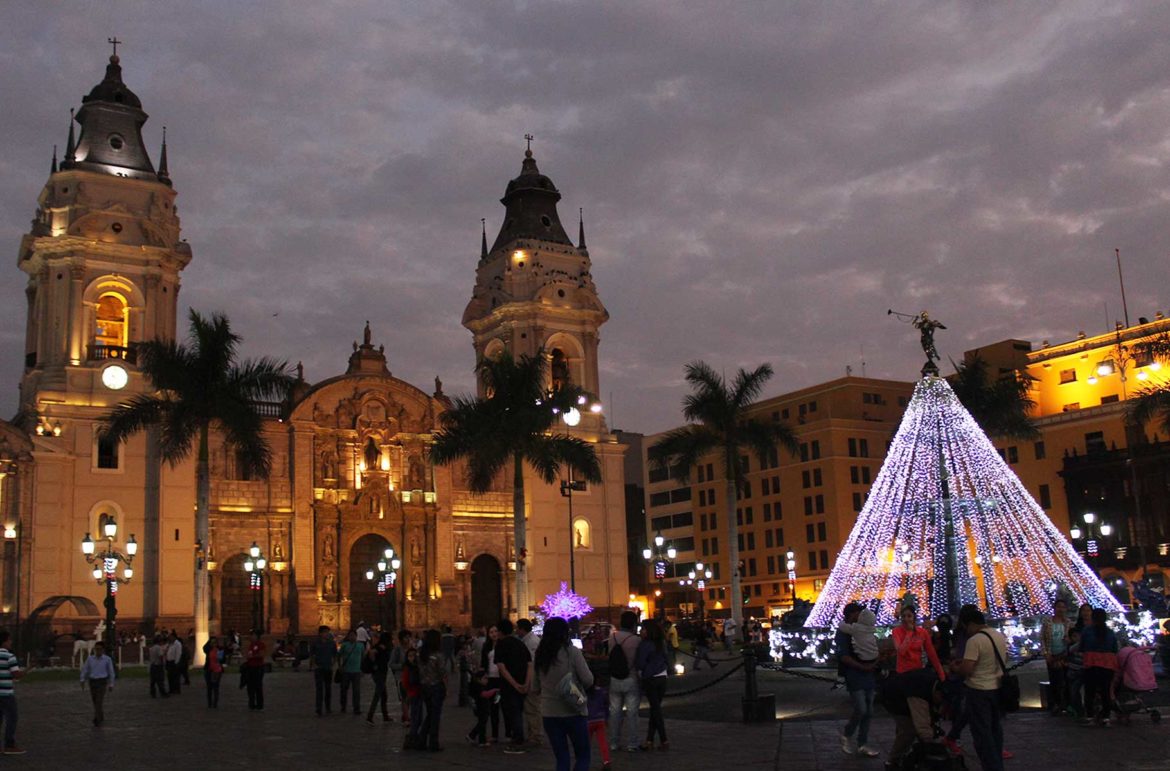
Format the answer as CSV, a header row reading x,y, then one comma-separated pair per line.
x,y
243,431
1000,405
263,379
548,454
681,448
136,415
708,400
764,436
748,386
213,343
1151,404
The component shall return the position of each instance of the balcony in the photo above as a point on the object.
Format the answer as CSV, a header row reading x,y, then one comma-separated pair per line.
x,y
269,409
101,352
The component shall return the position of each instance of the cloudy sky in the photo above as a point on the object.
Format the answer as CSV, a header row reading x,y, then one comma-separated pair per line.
x,y
761,180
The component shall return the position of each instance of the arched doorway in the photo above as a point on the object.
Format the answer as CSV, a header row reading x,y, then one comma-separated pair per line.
x,y
486,595
365,604
235,597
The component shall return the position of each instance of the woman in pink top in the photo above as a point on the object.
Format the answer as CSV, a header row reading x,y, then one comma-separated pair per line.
x,y
910,640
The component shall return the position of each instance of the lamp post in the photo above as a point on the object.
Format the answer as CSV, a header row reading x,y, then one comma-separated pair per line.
x,y
568,487
1093,528
791,563
659,553
700,576
387,577
254,565
106,571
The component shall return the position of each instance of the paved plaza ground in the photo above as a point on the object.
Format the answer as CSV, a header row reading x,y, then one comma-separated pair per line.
x,y
705,730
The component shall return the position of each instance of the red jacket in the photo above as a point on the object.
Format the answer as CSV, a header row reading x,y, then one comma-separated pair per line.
x,y
910,646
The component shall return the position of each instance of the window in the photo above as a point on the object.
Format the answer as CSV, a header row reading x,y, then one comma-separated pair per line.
x,y
110,322
710,472
739,517
684,544
1071,407
812,406
715,550
747,514
810,533
824,560
714,518
816,443
1045,497
855,474
858,500
739,540
659,474
704,545
863,447
767,512
822,531
1094,442
819,583
776,485
1038,448
1109,399
768,539
751,541
751,566
817,480
779,537
852,447
747,488
805,479
702,521
745,464
699,475
771,564
808,506
680,494
702,497
1068,376
812,560
660,523
865,475
764,486
804,452
820,499
107,455
775,588
685,519
659,499
1013,454
776,510
773,458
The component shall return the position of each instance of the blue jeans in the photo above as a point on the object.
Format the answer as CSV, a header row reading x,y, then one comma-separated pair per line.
x,y
986,724
624,693
563,731
8,715
862,700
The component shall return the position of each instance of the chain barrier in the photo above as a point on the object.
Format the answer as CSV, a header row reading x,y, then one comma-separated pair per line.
x,y
731,670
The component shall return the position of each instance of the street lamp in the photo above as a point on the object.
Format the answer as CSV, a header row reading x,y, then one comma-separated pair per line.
x,y
105,571
700,576
659,553
254,565
568,487
791,558
1093,527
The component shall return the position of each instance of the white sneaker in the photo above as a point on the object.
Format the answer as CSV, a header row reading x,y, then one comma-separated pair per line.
x,y
867,751
848,745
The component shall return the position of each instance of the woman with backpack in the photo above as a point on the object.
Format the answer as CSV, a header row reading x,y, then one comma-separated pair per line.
x,y
1099,649
651,663
562,677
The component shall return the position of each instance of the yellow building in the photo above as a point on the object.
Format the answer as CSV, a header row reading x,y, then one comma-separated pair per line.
x,y
351,474
806,503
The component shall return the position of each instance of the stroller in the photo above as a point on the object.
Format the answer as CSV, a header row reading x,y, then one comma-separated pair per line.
x,y
1135,672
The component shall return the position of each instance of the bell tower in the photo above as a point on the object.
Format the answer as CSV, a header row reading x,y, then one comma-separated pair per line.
x,y
103,258
534,289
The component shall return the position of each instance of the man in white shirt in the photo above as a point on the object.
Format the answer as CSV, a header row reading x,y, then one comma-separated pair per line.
x,y
363,635
982,669
174,657
98,670
730,633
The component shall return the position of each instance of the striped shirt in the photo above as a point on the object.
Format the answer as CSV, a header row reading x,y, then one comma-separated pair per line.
x,y
9,665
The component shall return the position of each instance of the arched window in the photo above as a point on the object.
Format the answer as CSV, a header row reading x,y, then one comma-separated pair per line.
x,y
110,321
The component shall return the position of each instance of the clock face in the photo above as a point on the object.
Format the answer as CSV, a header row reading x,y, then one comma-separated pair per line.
x,y
115,377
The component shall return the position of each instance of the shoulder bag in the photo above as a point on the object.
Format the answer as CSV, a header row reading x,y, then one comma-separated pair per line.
x,y
1009,684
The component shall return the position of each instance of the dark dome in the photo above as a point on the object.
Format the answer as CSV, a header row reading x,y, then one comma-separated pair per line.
x,y
112,89
530,203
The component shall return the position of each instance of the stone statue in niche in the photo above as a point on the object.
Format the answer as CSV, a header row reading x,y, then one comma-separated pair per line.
x,y
330,583
580,537
373,455
327,548
415,585
277,551
415,556
417,478
345,414
329,464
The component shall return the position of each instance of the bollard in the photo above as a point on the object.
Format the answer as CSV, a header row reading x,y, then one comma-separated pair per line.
x,y
756,708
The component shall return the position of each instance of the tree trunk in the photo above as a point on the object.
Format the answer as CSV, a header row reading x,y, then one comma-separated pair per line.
x,y
519,535
736,598
202,533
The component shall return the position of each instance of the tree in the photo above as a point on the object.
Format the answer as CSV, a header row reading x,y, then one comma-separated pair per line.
x,y
717,413
515,423
1001,405
199,386
1152,403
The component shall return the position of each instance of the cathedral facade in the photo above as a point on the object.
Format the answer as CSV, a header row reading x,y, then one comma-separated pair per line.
x,y
354,523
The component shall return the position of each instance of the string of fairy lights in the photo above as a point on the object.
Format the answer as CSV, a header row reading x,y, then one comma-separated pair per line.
x,y
1010,558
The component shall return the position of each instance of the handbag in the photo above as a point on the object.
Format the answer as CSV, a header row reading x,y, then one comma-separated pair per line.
x,y
571,693
1009,684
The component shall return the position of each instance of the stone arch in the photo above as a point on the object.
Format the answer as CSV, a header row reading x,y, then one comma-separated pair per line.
x,y
99,513
487,591
104,300
365,602
582,534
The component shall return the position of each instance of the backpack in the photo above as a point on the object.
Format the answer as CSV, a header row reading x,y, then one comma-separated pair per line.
x,y
619,665
1137,670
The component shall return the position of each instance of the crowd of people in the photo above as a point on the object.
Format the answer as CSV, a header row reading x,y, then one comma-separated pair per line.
x,y
955,670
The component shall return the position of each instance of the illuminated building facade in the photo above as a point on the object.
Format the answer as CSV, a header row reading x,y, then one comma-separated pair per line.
x,y
351,475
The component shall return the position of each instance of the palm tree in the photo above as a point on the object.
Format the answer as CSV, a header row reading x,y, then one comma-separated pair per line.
x,y
1152,402
515,423
199,386
718,417
1000,406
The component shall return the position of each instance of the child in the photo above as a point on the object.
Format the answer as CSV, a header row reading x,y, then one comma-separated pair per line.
x,y
598,706
483,698
412,687
864,635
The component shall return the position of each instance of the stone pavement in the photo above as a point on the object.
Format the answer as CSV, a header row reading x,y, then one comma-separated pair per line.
x,y
181,733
